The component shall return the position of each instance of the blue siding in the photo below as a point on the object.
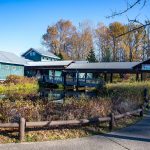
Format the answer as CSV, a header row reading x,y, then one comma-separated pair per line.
x,y
32,55
10,69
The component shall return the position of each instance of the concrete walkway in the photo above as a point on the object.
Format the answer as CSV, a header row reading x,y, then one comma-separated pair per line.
x,y
136,137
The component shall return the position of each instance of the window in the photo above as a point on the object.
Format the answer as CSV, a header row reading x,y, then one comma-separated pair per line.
x,y
33,53
14,68
30,53
6,67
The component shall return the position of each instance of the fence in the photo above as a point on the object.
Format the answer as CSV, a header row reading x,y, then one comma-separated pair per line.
x,y
23,125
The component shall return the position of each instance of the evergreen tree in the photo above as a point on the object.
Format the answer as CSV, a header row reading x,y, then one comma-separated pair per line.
x,y
91,57
60,56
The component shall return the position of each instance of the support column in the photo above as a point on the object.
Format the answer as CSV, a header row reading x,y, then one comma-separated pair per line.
x,y
111,77
64,76
77,87
105,77
137,76
85,76
141,76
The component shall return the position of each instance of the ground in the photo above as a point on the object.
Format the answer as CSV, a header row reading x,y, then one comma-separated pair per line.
x,y
135,137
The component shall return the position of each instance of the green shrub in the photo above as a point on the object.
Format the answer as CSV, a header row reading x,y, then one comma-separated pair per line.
x,y
19,83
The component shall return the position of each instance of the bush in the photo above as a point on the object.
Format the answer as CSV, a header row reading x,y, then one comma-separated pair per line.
x,y
125,96
11,111
19,83
14,79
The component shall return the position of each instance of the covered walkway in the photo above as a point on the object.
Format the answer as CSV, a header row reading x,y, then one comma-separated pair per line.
x,y
84,73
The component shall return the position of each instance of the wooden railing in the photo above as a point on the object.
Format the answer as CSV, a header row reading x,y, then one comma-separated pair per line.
x,y
22,125
71,81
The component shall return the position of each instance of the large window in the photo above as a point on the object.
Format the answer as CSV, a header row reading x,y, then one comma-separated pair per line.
x,y
146,67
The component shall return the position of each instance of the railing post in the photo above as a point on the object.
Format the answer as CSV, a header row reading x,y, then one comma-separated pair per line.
x,y
21,129
112,121
145,95
142,111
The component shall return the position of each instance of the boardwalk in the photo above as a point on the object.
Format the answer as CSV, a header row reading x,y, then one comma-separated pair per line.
x,y
135,137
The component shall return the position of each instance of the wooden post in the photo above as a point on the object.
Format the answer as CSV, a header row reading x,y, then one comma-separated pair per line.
x,y
74,88
112,121
21,129
145,95
77,87
105,77
141,112
86,89
85,76
141,76
64,74
137,76
111,77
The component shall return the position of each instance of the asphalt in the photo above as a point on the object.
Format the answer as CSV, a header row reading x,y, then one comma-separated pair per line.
x,y
135,137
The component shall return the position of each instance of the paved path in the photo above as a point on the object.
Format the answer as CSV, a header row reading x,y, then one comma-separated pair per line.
x,y
136,137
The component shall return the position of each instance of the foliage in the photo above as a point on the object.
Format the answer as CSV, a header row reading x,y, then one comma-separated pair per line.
x,y
19,83
12,111
91,57
60,56
63,37
125,96
76,42
14,79
41,110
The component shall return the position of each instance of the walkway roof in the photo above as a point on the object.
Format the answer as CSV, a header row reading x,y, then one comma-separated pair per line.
x,y
103,66
48,63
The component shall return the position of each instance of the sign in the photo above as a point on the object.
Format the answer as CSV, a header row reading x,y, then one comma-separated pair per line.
x,y
146,67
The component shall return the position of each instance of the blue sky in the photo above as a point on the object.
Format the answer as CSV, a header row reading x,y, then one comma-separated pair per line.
x,y
23,22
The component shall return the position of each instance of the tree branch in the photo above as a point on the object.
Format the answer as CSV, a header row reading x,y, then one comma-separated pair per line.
x,y
142,26
129,6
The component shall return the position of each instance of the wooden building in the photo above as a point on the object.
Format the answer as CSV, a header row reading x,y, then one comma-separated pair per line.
x,y
39,55
10,64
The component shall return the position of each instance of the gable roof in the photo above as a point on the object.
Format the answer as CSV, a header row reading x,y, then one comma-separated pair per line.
x,y
42,53
49,63
103,65
142,62
10,58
